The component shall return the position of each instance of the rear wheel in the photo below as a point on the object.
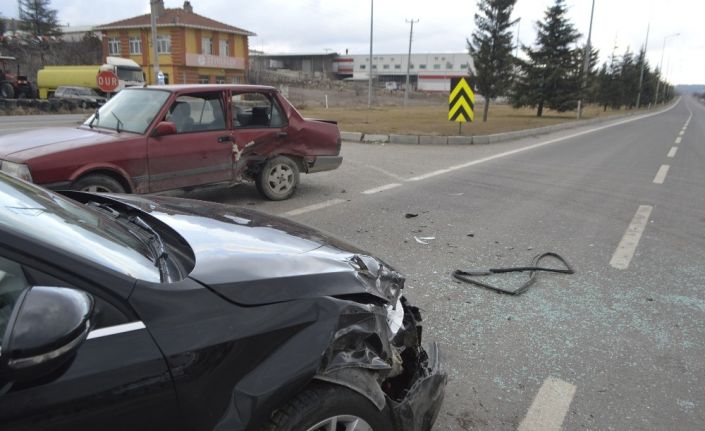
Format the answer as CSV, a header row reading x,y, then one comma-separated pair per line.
x,y
96,183
6,91
278,178
326,407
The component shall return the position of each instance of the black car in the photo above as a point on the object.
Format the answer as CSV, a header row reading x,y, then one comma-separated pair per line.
x,y
154,313
83,96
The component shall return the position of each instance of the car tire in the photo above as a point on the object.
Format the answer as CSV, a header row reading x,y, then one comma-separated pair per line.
x,y
278,178
96,183
7,91
318,406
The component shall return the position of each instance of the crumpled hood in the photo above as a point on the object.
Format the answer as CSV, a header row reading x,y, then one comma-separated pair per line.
x,y
53,139
252,258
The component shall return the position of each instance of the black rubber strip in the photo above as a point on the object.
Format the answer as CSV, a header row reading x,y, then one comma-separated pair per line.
x,y
467,276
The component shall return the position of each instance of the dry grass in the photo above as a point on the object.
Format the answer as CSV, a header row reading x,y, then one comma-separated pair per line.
x,y
433,120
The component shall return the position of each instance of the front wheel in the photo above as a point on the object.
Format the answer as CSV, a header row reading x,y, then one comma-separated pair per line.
x,y
326,407
278,178
96,183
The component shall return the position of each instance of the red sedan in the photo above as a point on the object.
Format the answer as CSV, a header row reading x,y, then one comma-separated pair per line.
x,y
159,138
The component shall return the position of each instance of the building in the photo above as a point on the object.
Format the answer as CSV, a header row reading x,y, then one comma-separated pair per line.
x,y
427,72
302,65
192,48
77,33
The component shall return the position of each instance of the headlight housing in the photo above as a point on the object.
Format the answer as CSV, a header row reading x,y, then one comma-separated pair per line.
x,y
17,170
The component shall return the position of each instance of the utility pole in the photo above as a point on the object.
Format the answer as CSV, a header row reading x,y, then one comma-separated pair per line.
x,y
643,64
369,83
660,65
516,50
586,63
408,61
155,51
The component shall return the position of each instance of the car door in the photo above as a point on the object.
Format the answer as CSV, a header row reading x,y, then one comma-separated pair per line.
x,y
259,127
118,379
201,150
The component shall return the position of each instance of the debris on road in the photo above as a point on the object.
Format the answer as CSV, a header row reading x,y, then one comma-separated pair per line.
x,y
424,239
410,215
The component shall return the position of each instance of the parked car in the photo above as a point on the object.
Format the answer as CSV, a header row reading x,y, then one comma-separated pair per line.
x,y
159,138
85,97
125,312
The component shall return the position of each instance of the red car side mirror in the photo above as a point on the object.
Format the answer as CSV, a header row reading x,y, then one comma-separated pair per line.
x,y
165,128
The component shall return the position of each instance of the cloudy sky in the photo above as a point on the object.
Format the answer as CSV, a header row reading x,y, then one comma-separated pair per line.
x,y
337,25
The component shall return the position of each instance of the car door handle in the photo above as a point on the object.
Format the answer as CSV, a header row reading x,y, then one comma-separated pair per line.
x,y
224,139
282,135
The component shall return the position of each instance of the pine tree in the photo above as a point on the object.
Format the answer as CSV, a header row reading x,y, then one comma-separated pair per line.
x,y
39,18
629,78
548,79
491,49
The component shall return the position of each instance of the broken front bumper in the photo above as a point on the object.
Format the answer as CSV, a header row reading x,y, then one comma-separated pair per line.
x,y
418,410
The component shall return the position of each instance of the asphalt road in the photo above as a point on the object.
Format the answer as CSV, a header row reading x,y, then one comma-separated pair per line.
x,y
618,345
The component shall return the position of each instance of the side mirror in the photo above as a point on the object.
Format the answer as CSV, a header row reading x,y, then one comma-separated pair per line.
x,y
45,329
165,128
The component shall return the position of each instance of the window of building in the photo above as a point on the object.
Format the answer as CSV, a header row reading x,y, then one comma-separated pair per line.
x,y
464,66
204,79
397,66
224,48
374,66
363,66
436,66
164,44
114,46
207,45
220,80
135,45
422,66
411,66
449,65
386,66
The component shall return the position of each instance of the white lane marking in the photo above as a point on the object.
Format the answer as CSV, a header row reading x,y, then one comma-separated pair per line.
x,y
661,174
315,207
386,172
680,133
672,153
550,406
117,329
627,246
381,188
679,140
531,147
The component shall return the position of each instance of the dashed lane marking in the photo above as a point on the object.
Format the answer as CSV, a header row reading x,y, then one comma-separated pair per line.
x,y
661,174
672,153
550,406
679,140
314,207
627,246
381,188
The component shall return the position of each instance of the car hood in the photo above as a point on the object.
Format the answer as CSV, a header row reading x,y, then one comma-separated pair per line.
x,y
20,146
252,258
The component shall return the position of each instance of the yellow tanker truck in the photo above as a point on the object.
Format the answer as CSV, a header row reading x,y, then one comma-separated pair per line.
x,y
49,78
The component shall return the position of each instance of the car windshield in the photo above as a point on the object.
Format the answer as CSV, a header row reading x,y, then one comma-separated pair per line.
x,y
131,109
74,228
130,74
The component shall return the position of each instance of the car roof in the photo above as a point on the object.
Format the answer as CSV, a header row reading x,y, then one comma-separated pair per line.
x,y
176,88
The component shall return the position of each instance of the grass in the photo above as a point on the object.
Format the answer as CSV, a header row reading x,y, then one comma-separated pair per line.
x,y
433,120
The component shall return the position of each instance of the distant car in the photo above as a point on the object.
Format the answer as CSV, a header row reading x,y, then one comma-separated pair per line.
x,y
85,97
159,138
122,312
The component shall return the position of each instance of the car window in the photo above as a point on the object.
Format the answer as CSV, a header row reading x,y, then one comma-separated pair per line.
x,y
131,109
197,113
12,283
59,92
256,110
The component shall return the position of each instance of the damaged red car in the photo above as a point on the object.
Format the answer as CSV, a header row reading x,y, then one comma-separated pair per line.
x,y
153,139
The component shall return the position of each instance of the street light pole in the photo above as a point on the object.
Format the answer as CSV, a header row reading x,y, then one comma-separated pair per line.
x,y
643,64
369,83
660,65
408,61
586,62
516,50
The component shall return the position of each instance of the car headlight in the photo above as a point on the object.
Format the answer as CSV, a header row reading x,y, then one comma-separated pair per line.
x,y
17,170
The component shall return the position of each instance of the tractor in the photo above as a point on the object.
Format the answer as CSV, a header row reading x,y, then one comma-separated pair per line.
x,y
14,85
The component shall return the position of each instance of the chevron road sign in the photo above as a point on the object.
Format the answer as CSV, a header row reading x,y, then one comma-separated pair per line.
x,y
461,101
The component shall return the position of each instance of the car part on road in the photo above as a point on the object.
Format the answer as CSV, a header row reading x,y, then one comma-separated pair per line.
x,y
466,275
98,183
278,178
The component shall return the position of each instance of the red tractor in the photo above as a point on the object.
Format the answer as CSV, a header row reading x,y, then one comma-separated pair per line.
x,y
14,85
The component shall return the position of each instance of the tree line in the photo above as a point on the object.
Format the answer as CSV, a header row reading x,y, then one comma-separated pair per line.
x,y
550,74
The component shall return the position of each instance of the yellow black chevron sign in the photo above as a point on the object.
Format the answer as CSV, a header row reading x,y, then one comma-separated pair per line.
x,y
461,102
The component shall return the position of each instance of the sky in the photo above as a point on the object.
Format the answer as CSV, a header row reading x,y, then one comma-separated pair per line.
x,y
444,25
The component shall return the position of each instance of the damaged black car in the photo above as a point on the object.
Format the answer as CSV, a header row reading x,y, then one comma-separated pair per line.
x,y
150,313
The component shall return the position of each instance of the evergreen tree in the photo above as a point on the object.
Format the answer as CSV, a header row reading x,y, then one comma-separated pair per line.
x,y
491,49
589,93
548,79
39,18
629,78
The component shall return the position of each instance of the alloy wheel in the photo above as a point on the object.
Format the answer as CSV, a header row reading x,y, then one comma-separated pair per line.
x,y
342,423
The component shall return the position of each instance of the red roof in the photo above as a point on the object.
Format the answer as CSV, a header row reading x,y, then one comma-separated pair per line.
x,y
175,18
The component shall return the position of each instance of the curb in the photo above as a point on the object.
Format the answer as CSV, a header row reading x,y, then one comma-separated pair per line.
x,y
377,138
